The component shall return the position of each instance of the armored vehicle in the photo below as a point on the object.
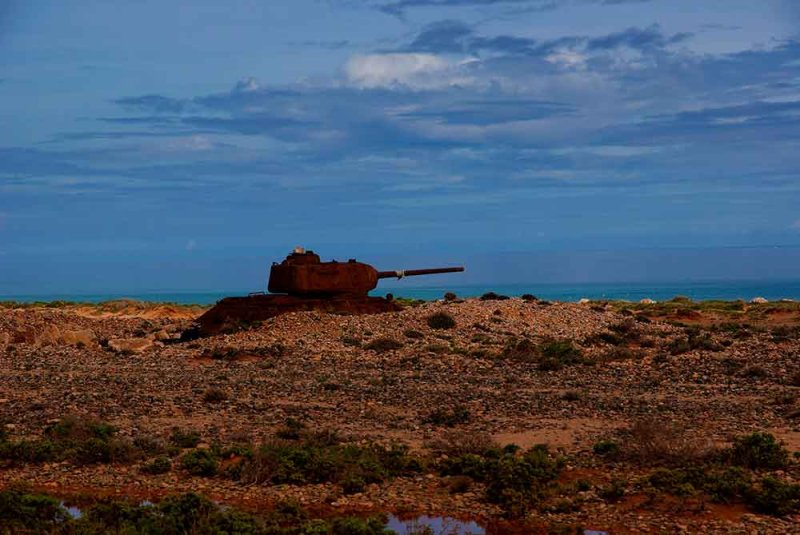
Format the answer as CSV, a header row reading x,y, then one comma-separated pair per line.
x,y
303,282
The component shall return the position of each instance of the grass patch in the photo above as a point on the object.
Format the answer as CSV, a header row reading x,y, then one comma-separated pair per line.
x,y
440,320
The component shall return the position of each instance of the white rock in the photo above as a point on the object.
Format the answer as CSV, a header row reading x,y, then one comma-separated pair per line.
x,y
130,345
648,301
584,301
758,300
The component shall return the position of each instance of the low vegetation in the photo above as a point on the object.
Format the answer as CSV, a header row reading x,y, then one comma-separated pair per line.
x,y
26,512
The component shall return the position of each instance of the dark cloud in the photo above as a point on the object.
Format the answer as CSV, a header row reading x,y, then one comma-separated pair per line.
x,y
450,36
399,7
637,38
155,103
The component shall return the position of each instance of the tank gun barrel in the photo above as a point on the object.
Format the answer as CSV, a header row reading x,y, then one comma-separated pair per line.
x,y
414,272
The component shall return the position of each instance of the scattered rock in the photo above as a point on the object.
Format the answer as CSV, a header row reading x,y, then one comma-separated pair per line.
x,y
758,300
130,345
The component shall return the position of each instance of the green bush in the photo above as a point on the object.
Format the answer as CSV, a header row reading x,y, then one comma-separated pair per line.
x,y
184,438
21,512
200,463
758,451
188,513
159,465
775,497
606,447
80,441
440,320
515,482
352,465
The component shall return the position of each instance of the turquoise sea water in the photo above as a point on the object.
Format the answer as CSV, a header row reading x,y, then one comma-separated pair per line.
x,y
725,290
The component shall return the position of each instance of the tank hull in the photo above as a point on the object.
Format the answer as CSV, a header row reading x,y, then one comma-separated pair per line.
x,y
237,313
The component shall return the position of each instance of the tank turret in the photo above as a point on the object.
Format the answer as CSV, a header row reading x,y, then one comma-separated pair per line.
x,y
303,274
303,282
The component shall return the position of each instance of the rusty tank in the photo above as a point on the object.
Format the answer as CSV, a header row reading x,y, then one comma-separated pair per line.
x,y
303,282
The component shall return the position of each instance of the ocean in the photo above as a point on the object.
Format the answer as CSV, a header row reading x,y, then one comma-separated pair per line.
x,y
721,290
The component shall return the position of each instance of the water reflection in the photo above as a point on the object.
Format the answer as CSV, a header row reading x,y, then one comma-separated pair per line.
x,y
438,525
421,525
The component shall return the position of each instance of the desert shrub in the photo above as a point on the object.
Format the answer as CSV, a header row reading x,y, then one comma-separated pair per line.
x,y
614,491
520,349
775,497
515,482
22,512
694,339
571,395
550,354
678,482
559,353
187,438
413,334
159,465
214,395
455,443
727,486
200,463
440,320
679,346
757,451
384,344
491,296
784,333
754,372
351,341
529,297
652,441
292,429
450,297
606,447
79,441
627,330
280,462
450,416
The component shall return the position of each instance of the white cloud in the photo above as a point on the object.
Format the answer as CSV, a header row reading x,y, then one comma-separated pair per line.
x,y
419,71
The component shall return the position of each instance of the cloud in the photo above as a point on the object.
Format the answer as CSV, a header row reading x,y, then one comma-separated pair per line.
x,y
636,38
454,37
397,69
399,8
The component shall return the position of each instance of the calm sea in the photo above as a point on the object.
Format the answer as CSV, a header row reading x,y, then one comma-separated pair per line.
x,y
724,290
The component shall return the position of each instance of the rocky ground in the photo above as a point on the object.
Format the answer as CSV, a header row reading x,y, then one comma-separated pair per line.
x,y
686,377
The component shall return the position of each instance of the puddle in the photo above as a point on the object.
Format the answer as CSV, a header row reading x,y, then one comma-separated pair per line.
x,y
437,525
73,512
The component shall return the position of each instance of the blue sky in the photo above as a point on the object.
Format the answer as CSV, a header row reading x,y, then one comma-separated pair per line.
x,y
165,144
